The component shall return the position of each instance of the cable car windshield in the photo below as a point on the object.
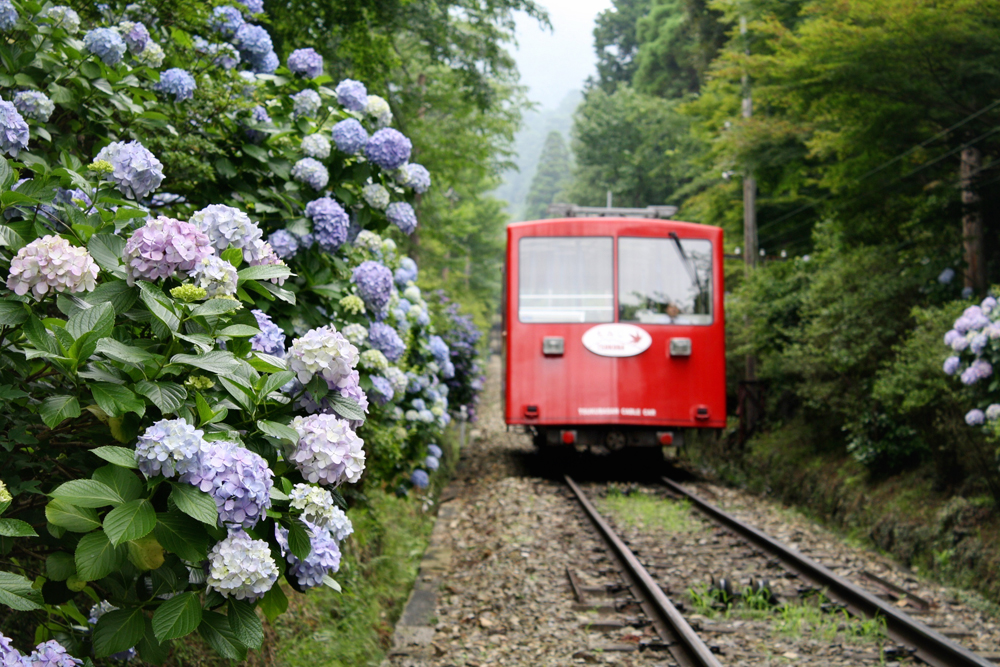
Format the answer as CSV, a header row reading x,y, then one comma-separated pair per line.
x,y
665,281
566,279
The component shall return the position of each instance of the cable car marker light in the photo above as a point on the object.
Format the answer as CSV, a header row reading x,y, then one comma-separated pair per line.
x,y
617,340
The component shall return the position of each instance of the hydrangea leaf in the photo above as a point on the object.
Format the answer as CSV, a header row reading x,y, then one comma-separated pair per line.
x,y
96,557
160,310
347,408
17,592
279,431
124,482
215,629
215,307
265,363
118,631
71,517
130,521
60,566
108,250
177,617
167,396
196,504
274,603
116,400
119,351
55,409
12,313
264,272
87,493
217,361
120,456
7,175
16,528
117,293
182,535
245,624
151,650
98,320
239,331
298,540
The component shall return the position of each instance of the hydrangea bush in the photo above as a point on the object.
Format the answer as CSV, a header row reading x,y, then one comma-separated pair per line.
x,y
184,395
974,344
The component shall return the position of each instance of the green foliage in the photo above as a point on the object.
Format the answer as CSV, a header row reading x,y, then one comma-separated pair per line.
x,y
616,42
550,178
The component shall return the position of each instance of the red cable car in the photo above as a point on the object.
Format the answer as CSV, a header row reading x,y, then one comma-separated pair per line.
x,y
614,331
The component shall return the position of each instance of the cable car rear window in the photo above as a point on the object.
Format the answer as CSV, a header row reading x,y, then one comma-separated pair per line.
x,y
566,279
665,281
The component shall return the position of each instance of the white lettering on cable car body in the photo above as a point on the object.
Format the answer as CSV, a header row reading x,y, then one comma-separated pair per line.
x,y
625,412
617,340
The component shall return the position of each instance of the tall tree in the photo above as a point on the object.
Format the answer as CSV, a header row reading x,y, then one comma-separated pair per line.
x,y
616,42
550,178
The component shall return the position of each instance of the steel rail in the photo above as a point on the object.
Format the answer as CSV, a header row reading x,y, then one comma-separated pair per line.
x,y
930,646
682,641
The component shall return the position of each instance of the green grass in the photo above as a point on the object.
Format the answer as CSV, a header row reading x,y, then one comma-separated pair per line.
x,y
643,511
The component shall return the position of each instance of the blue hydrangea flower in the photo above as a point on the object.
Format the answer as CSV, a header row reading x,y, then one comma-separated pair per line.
x,y
407,272
176,82
265,64
271,339
350,136
946,276
258,116
135,35
226,20
352,95
402,215
417,178
950,337
306,62
238,479
34,104
227,227
389,149
382,391
241,567
447,370
432,463
253,6
439,349
975,417
434,451
988,304
63,17
419,404
169,447
14,131
384,338
253,42
106,44
311,172
136,171
993,412
224,55
330,222
374,283
76,197
50,654
316,145
306,103
323,558
285,243
978,343
420,479
8,15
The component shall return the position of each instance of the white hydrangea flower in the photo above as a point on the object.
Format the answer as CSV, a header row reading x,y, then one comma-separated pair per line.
x,y
329,451
241,567
315,503
317,146
324,352
376,195
216,276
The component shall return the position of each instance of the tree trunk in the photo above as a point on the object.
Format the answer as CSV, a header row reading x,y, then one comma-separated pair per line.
x,y
972,223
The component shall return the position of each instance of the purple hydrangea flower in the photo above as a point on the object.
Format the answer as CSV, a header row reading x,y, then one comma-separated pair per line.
x,y
61,17
224,55
950,337
253,6
374,283
253,42
982,368
324,352
407,272
50,654
316,145
265,64
241,567
51,263
397,378
162,247
384,338
227,227
306,103
447,370
76,197
262,254
323,558
419,404
330,222
306,62
346,387
418,178
136,171
988,304
216,276
226,20
238,479
946,276
169,447
176,82
993,412
439,349
420,479
960,344
135,35
34,105
271,339
106,44
285,243
402,215
311,172
434,451
978,343
951,365
8,654
352,95
389,149
974,417
258,116
432,463
14,131
350,136
329,451
8,15
382,391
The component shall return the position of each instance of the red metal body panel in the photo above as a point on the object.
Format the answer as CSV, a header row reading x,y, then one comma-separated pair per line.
x,y
583,388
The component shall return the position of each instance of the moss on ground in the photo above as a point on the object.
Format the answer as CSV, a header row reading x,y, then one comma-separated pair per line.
x,y
951,538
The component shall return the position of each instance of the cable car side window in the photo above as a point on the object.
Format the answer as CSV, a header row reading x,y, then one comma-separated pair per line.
x,y
665,280
566,279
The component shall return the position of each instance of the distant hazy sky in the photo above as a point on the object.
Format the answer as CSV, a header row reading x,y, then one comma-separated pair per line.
x,y
554,63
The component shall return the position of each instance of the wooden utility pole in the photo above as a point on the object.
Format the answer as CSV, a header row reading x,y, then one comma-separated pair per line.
x,y
749,390
972,223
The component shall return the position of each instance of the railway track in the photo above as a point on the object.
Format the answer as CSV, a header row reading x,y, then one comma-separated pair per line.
x,y
913,640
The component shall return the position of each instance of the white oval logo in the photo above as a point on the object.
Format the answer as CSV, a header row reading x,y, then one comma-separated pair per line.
x,y
617,340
